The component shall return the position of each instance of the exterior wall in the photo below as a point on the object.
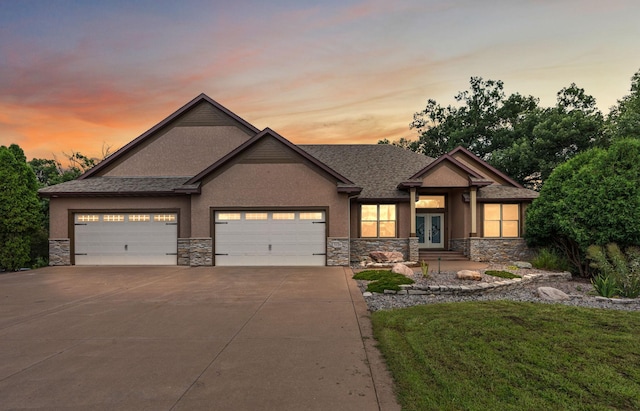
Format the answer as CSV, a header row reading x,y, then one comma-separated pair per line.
x,y
361,247
493,249
446,175
270,186
403,215
459,215
59,251
476,166
199,147
337,251
200,251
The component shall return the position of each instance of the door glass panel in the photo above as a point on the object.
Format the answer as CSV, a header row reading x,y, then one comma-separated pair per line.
x,y
420,229
164,217
255,216
284,216
228,216
435,230
311,216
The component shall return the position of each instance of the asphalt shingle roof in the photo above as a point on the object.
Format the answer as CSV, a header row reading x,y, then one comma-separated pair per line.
x,y
377,168
118,185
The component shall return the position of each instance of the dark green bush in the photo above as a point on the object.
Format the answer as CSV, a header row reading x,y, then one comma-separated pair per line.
x,y
501,274
382,280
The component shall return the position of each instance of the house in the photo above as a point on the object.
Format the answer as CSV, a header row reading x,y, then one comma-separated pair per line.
x,y
205,187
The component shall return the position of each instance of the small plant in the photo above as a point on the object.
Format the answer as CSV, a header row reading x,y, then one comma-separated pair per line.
x,y
548,259
619,272
604,285
382,280
512,267
501,274
424,266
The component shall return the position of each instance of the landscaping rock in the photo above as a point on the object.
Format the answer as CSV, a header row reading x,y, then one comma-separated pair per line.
x,y
523,264
401,269
469,275
552,294
386,256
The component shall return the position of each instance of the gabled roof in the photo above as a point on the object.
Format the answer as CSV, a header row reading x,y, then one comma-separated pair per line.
x,y
483,163
377,168
118,186
446,158
344,184
112,159
494,193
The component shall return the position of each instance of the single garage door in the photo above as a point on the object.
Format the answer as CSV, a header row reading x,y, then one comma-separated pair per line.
x,y
270,238
126,238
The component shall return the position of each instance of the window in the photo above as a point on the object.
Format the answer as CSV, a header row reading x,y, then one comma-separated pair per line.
x,y
501,220
113,218
378,220
228,216
255,216
84,218
139,217
311,216
164,217
283,216
430,202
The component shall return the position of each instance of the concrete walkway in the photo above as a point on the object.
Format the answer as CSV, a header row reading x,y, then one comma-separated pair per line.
x,y
174,338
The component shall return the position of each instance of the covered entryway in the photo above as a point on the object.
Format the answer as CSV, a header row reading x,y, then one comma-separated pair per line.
x,y
429,230
270,238
126,238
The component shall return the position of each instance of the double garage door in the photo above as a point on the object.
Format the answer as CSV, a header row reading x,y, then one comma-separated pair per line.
x,y
126,238
270,238
241,238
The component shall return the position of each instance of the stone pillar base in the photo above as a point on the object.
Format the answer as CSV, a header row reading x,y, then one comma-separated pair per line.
x,y
59,251
337,251
200,251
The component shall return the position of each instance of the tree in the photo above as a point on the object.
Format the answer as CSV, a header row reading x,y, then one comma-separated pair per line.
x,y
592,199
552,136
623,120
19,208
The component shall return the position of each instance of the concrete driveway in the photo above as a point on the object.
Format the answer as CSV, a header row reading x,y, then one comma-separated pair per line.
x,y
177,338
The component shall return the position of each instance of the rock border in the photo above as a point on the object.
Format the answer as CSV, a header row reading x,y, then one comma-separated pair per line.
x,y
413,289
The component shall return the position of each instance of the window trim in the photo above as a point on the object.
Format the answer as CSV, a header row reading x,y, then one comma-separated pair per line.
x,y
501,221
377,221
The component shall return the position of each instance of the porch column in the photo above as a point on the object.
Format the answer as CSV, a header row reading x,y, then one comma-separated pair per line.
x,y
412,206
474,208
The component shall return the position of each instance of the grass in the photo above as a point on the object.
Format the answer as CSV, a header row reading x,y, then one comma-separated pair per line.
x,y
505,355
382,280
501,274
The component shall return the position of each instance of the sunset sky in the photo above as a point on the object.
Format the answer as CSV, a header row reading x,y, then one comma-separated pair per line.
x,y
77,75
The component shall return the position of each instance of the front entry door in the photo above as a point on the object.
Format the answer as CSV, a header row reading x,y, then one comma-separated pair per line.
x,y
429,230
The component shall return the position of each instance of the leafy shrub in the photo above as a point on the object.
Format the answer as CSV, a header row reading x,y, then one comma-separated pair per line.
x,y
619,272
550,260
501,274
382,280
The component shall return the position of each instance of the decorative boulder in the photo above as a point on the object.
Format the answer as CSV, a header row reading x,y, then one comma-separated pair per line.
x,y
469,275
522,264
401,269
551,294
386,256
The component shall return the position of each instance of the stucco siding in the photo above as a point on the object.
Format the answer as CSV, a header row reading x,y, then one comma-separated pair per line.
x,y
293,185
181,151
445,175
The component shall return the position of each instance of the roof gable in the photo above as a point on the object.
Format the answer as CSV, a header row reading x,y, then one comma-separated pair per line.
x,y
201,111
270,147
480,166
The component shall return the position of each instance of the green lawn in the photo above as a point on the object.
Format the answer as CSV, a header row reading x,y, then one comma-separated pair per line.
x,y
504,355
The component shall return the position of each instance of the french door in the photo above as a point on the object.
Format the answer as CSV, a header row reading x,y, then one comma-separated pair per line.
x,y
430,230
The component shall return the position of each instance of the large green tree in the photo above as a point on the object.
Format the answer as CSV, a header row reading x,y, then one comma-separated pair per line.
x,y
19,208
623,120
551,136
594,198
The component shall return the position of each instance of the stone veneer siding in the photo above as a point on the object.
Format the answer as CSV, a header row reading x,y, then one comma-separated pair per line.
x,y
59,251
499,249
200,251
361,247
184,251
414,249
337,251
460,244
